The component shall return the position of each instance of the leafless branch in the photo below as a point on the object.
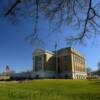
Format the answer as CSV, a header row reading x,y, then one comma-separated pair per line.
x,y
12,7
62,12
87,21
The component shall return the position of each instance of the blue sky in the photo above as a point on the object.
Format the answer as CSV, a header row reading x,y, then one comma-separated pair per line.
x,y
17,53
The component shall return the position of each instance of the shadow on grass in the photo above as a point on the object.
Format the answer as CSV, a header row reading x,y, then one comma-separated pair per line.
x,y
96,83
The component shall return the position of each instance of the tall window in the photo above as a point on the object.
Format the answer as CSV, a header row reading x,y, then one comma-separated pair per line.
x,y
38,63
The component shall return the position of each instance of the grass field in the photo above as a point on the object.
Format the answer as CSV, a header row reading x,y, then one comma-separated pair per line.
x,y
57,89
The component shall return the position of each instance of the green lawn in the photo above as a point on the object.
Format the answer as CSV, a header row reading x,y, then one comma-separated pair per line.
x,y
57,89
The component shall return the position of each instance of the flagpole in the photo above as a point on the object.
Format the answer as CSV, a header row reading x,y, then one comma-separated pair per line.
x,y
56,57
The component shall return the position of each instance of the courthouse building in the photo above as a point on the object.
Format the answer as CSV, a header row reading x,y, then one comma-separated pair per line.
x,y
64,63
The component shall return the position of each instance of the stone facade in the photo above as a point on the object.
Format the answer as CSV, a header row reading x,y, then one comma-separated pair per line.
x,y
63,63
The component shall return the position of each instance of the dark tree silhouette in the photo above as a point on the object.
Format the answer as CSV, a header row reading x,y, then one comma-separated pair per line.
x,y
82,13
98,66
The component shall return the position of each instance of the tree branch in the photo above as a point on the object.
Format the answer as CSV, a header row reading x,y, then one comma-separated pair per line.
x,y
83,34
12,7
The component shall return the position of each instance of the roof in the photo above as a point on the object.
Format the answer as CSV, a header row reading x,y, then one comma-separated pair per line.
x,y
53,52
42,51
71,50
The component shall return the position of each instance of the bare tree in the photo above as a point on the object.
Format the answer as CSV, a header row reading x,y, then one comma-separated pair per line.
x,y
82,13
98,66
89,70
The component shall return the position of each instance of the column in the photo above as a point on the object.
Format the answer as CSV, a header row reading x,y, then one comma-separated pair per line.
x,y
34,63
43,62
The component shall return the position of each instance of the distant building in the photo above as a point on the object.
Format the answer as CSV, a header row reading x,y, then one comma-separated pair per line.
x,y
63,63
7,71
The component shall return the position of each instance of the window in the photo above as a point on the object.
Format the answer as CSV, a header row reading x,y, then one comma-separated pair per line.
x,y
38,63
